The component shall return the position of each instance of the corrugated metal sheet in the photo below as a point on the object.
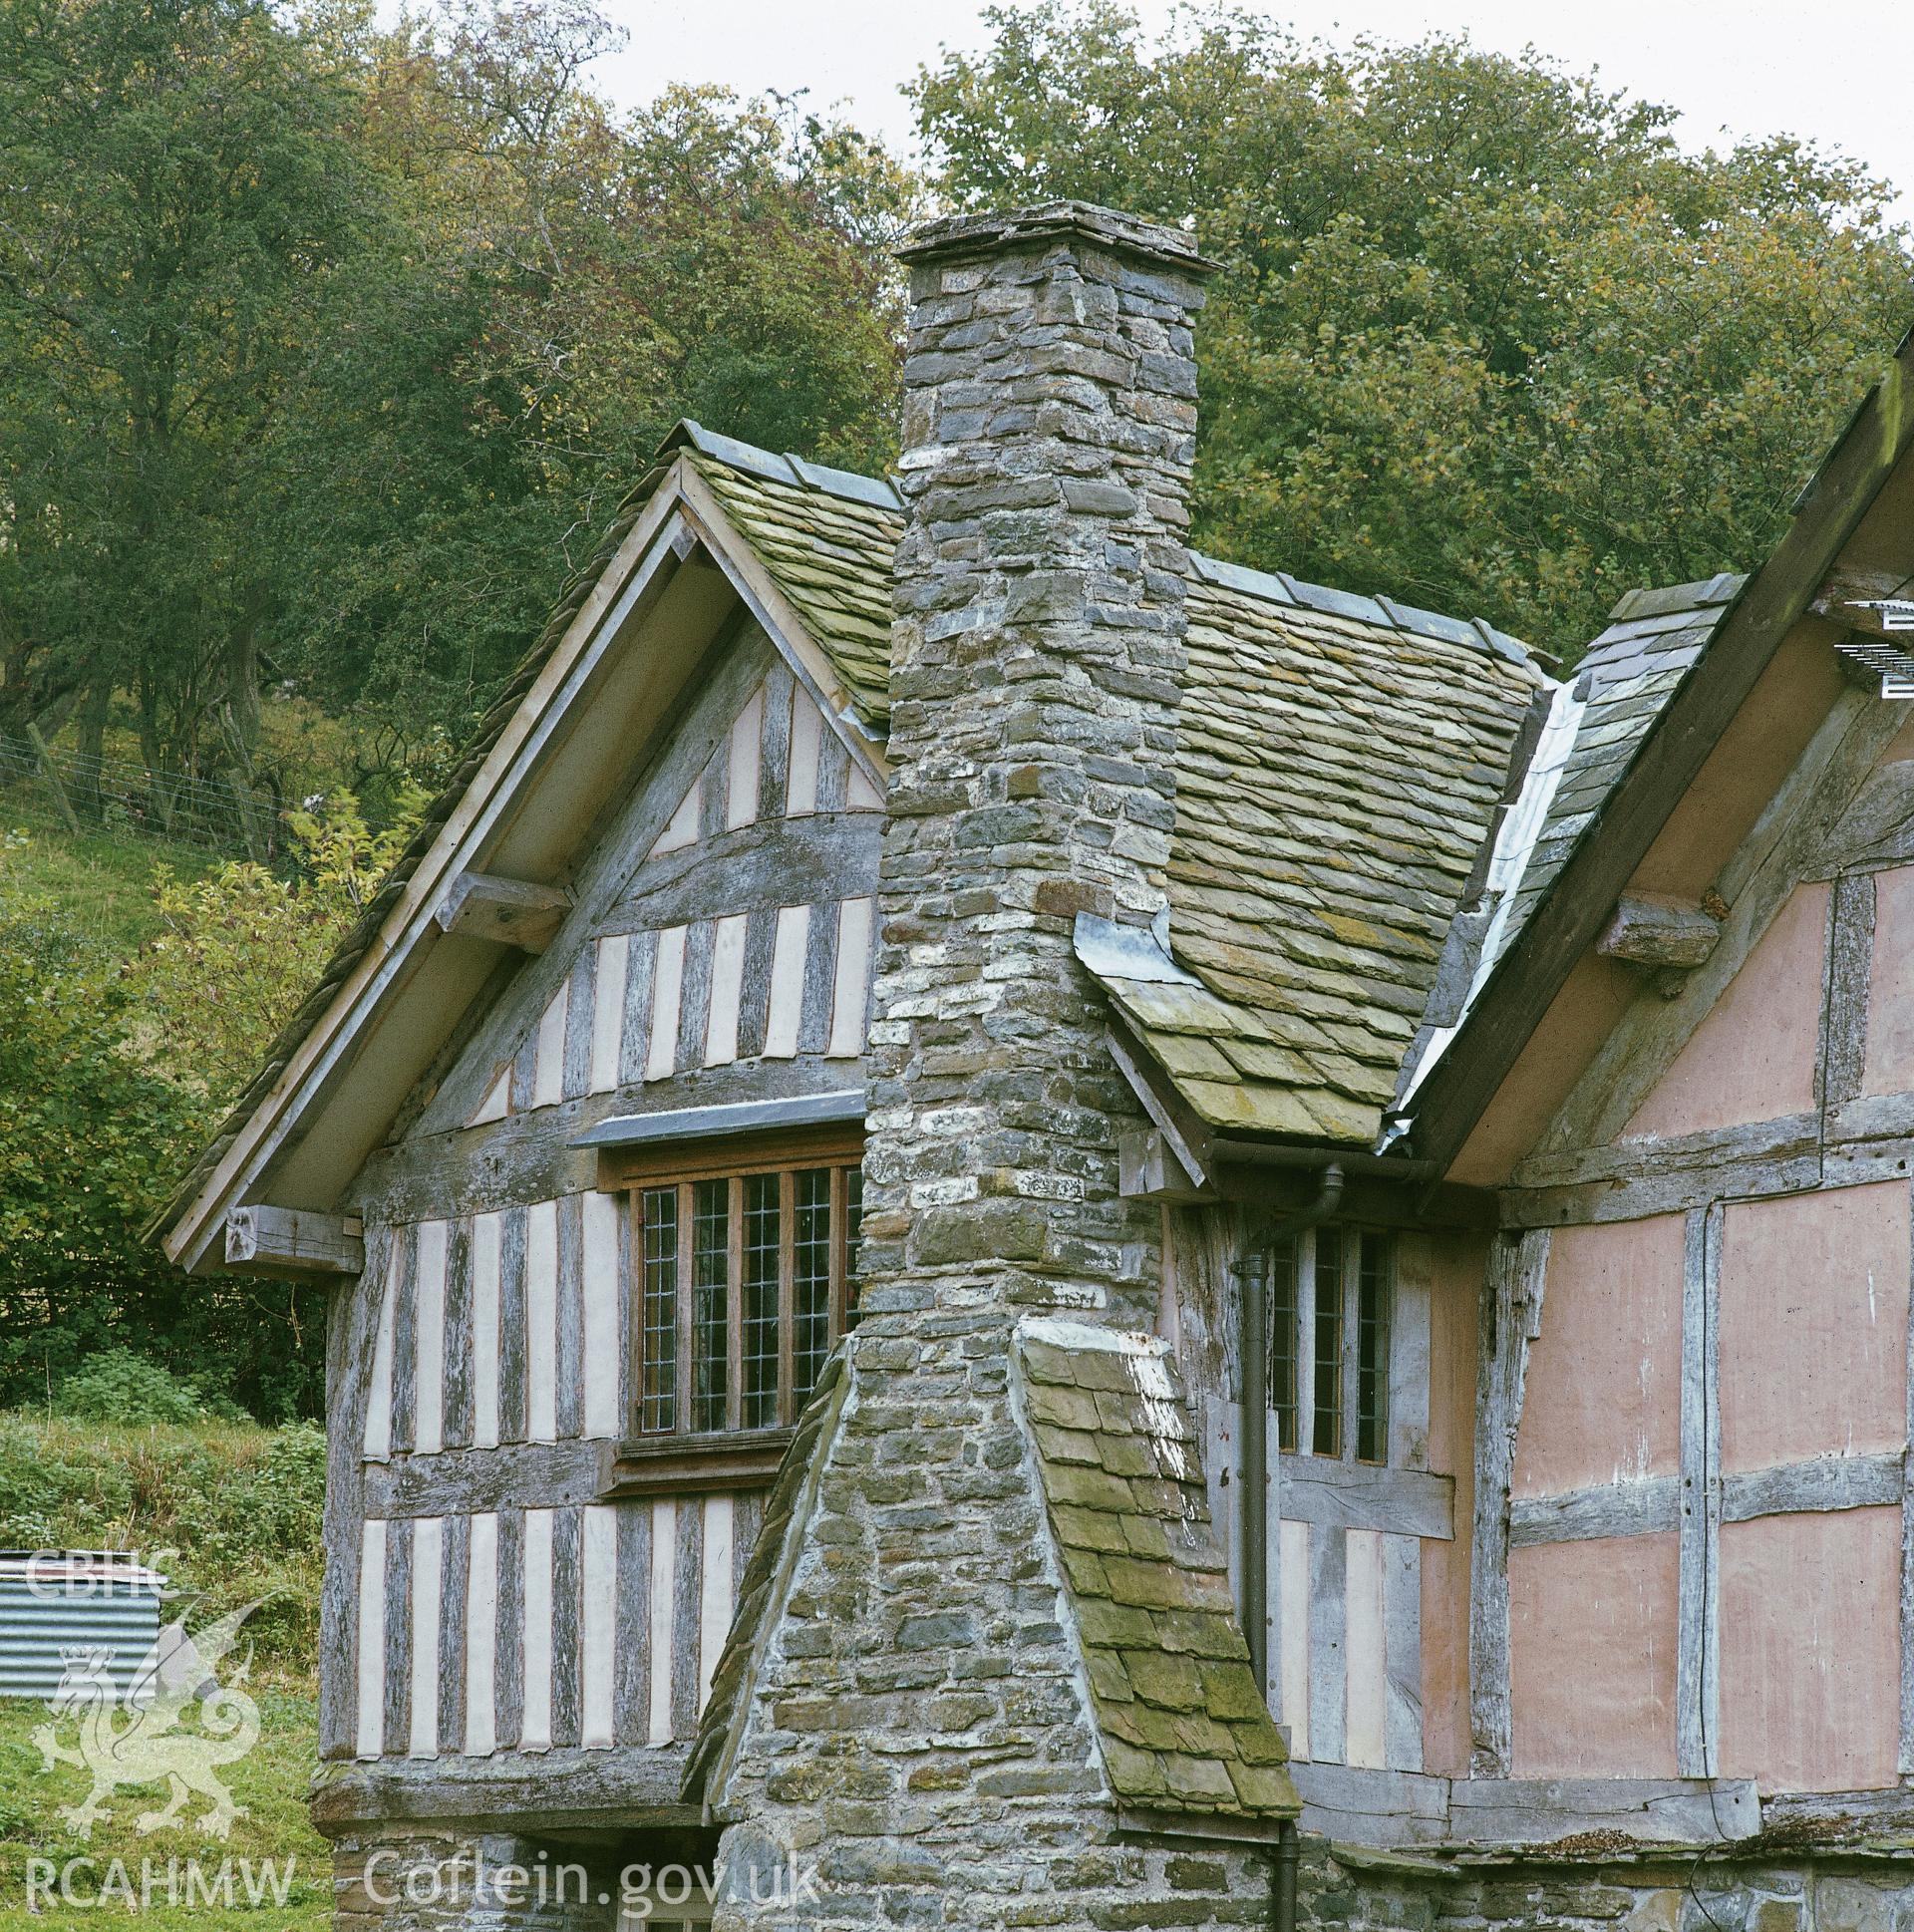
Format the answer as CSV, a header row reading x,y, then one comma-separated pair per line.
x,y
52,1601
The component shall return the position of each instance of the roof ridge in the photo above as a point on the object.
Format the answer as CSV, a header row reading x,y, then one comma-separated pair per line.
x,y
1272,587
1279,587
790,469
1663,601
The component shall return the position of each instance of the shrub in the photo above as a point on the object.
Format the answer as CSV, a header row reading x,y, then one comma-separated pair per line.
x,y
117,1386
230,1513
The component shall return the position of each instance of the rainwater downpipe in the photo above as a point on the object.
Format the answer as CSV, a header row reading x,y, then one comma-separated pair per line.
x,y
1254,1276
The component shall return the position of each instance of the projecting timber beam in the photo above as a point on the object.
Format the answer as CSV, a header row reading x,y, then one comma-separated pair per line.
x,y
1653,931
1869,601
1150,1169
510,911
294,1241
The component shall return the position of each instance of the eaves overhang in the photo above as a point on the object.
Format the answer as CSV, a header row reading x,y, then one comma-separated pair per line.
x,y
1518,991
573,732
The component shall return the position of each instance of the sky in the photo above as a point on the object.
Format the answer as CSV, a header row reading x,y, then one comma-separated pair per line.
x,y
1832,71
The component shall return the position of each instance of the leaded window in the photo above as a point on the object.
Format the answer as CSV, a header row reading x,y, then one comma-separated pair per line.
x,y
1331,1318
744,1282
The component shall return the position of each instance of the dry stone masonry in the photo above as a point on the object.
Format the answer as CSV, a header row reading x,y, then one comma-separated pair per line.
x,y
1049,424
922,1725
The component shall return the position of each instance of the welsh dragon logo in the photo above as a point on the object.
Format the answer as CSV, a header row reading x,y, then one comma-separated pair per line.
x,y
142,1736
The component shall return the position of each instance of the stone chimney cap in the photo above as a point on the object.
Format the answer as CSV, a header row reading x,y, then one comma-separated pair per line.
x,y
1111,228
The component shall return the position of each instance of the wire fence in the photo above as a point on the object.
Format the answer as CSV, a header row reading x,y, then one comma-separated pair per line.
x,y
83,792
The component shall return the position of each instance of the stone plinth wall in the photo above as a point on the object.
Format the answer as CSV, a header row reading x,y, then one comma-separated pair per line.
x,y
1713,1892
1107,1886
460,1881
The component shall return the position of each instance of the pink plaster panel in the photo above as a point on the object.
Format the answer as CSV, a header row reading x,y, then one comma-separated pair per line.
x,y
1890,995
1457,1264
1813,1325
1591,1657
1752,1057
1810,1660
1603,1395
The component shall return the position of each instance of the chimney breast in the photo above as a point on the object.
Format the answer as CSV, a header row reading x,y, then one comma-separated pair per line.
x,y
1037,653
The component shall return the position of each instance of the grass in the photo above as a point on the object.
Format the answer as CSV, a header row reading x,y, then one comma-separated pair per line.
x,y
101,881
270,1783
229,1510
232,1511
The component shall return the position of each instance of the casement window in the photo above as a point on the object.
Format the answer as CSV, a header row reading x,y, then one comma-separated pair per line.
x,y
1331,1303
743,1283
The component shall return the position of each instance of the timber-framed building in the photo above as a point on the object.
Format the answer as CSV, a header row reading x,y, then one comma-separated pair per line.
x,y
1022,1221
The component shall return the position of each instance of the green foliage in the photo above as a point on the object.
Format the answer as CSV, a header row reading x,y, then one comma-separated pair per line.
x,y
569,283
1483,338
178,192
241,946
230,1513
324,348
111,1079
90,1135
117,1386
270,1782
101,882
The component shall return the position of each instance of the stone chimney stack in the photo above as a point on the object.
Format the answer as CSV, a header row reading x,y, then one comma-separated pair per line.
x,y
1037,649
919,1719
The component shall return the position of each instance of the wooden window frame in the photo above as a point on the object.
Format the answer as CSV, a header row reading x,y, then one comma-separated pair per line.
x,y
681,1458
1293,1397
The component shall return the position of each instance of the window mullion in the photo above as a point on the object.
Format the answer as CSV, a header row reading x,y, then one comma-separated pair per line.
x,y
735,1305
1351,1346
637,1351
1305,1341
686,1376
787,1293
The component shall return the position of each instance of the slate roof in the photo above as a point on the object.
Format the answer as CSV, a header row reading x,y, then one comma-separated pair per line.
x,y
1596,725
1629,672
1184,1728
829,551
1341,760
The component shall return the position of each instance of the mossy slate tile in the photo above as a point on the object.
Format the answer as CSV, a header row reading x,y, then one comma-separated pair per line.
x,y
1146,1582
1312,735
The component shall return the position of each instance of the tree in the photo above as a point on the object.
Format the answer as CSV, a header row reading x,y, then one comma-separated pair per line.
x,y
574,282
1483,337
326,348
175,186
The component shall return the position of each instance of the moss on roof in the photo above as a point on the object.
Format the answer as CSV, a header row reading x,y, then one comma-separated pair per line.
x,y
1340,763
772,1559
830,556
1336,778
1182,1724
